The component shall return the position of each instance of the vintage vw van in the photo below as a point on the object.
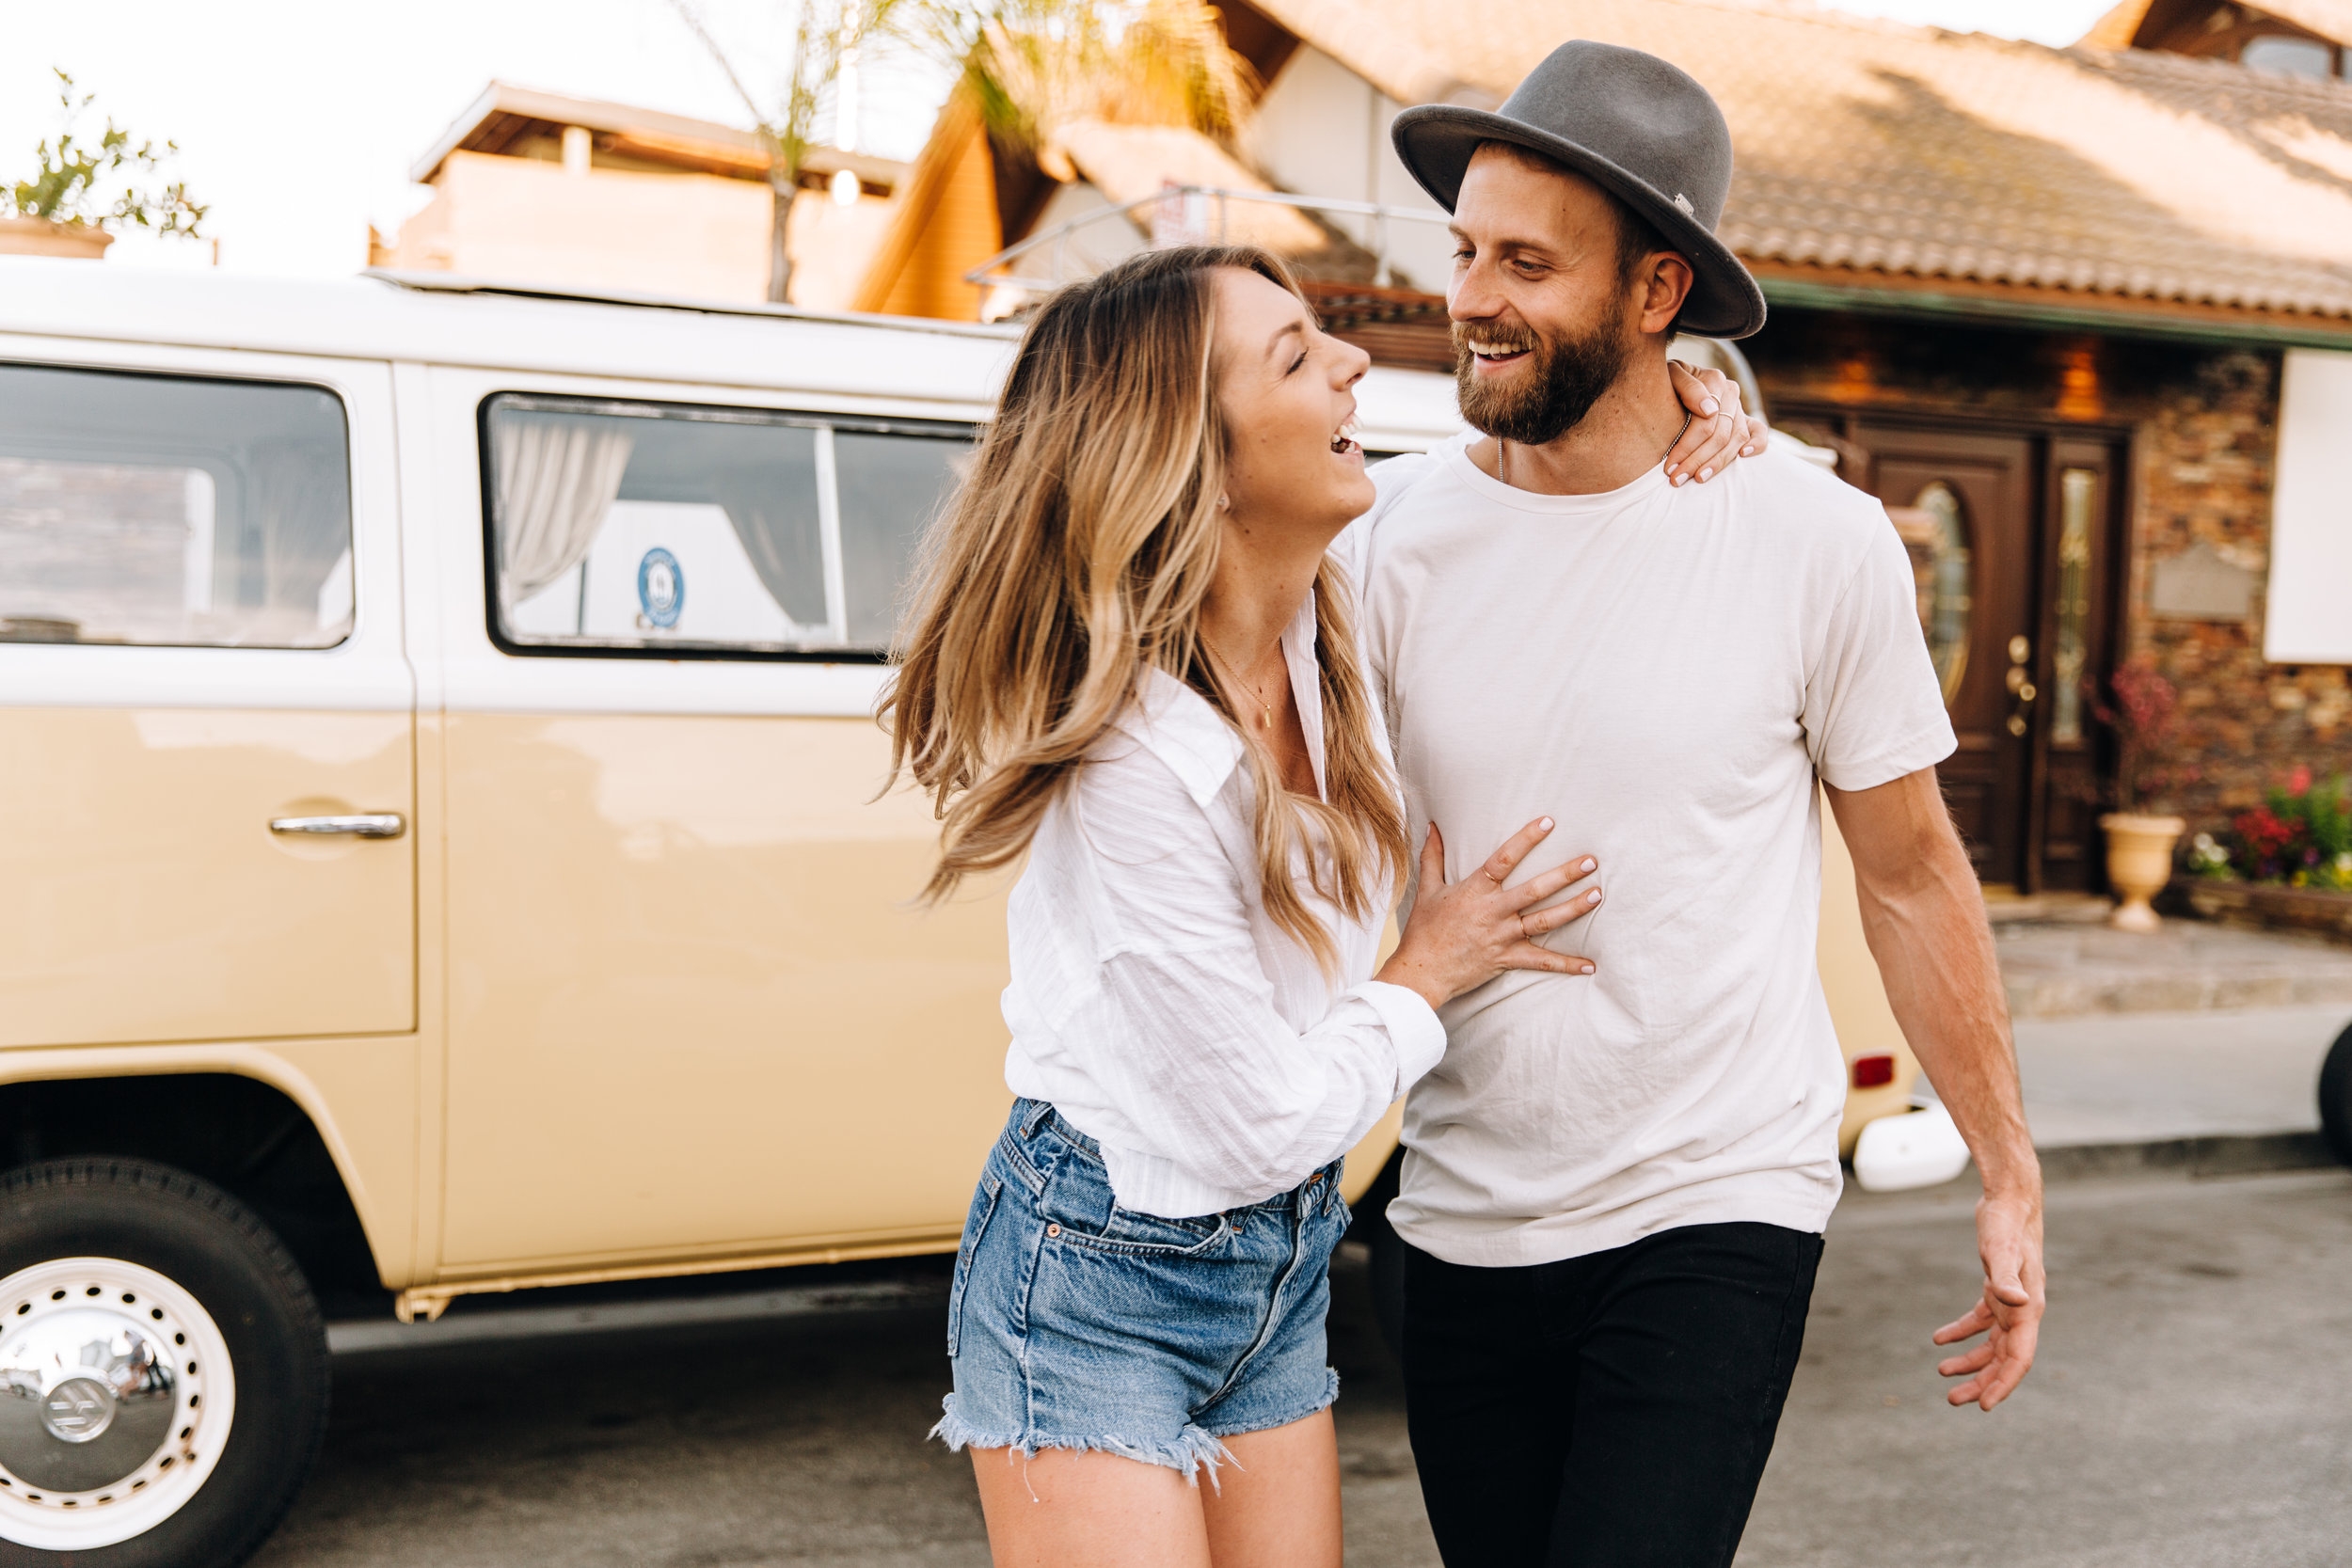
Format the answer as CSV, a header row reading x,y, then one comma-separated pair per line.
x,y
439,849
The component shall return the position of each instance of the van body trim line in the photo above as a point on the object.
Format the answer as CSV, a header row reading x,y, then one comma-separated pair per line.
x,y
430,1300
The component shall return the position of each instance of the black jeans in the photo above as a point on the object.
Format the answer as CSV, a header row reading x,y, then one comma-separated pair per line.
x,y
1607,1411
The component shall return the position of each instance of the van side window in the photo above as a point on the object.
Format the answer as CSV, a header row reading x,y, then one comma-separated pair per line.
x,y
172,511
728,532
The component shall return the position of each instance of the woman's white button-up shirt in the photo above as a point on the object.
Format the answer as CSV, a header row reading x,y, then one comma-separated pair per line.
x,y
1152,1001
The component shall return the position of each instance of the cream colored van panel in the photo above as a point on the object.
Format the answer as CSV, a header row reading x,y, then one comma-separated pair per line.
x,y
1857,997
150,901
691,1009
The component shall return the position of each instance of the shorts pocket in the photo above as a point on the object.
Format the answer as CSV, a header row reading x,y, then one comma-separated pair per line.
x,y
975,1226
1146,1234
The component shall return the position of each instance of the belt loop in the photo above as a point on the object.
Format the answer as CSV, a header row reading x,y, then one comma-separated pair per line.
x,y
1039,1111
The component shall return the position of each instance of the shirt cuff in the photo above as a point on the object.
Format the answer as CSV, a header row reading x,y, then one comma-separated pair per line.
x,y
1413,1028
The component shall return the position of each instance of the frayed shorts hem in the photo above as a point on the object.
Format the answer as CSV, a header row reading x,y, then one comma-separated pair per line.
x,y
1195,1448
1330,1397
1192,1451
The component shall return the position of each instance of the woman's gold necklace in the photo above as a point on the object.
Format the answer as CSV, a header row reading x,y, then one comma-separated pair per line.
x,y
1266,720
1266,709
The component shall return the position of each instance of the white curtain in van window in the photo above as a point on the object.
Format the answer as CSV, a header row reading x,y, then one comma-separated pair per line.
x,y
556,480
779,530
297,525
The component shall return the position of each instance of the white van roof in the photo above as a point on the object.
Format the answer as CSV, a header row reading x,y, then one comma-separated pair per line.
x,y
435,318
953,369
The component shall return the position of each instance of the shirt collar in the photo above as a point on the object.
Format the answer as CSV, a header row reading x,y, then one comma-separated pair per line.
x,y
1455,459
1176,724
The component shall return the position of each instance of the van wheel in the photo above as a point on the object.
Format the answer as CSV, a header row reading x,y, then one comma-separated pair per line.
x,y
163,1370
2335,1098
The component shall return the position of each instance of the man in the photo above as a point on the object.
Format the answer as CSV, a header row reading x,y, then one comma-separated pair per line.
x,y
1615,1188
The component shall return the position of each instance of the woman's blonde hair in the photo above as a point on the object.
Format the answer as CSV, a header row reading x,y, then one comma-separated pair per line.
x,y
1077,556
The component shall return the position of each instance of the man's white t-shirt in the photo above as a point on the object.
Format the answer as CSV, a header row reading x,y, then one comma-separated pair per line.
x,y
1664,672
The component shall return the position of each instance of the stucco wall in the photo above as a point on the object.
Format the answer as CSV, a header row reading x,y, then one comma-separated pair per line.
x,y
831,245
1322,130
696,235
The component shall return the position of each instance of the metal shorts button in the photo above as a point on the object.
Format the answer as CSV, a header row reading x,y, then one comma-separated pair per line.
x,y
1053,1231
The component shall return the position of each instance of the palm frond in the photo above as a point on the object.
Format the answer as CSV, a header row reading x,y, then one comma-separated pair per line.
x,y
1036,65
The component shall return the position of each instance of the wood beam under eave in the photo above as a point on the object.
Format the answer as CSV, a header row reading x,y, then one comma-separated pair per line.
x,y
1893,295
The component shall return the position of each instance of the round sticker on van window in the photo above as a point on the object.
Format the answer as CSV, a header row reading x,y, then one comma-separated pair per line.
x,y
660,586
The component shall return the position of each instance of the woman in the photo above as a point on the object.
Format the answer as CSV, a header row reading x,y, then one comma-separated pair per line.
x,y
1132,659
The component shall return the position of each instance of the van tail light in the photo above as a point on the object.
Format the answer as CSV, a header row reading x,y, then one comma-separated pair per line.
x,y
1870,1072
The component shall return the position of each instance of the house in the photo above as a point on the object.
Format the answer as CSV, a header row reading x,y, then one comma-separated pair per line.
x,y
2294,37
2081,317
537,187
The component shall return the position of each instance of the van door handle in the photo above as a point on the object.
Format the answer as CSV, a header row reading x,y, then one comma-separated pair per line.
x,y
372,824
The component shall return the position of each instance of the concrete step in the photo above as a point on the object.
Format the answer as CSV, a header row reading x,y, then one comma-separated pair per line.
x,y
2070,967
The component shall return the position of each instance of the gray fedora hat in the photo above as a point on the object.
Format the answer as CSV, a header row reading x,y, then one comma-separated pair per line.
x,y
1630,121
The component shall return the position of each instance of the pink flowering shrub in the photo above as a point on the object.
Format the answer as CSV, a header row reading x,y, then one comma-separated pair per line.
x,y
2142,716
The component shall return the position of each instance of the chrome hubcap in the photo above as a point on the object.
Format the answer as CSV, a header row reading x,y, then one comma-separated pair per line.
x,y
79,1410
87,1395
115,1395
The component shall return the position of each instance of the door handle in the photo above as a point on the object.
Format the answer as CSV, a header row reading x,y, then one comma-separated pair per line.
x,y
369,824
2023,689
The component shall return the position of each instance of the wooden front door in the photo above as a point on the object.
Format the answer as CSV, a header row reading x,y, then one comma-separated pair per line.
x,y
1964,503
2013,538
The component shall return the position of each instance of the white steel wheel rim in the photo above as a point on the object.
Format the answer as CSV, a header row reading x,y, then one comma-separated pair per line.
x,y
204,1404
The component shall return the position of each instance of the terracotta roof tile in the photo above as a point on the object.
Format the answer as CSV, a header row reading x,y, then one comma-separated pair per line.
x,y
1912,151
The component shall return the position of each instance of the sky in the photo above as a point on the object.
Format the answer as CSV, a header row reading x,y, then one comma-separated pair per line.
x,y
299,121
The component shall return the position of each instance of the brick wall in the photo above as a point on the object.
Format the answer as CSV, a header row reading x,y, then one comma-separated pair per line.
x,y
2201,422
2202,470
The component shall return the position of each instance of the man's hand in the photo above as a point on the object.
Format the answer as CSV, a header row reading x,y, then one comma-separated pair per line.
x,y
2009,1314
1923,914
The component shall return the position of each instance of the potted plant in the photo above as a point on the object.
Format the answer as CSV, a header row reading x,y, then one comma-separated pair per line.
x,y
2140,839
61,209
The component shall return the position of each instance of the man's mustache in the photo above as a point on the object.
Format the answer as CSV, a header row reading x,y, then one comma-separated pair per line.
x,y
1511,338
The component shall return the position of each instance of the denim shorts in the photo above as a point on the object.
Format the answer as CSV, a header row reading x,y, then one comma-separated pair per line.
x,y
1075,1323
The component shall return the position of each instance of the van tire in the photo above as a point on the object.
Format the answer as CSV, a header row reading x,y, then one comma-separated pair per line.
x,y
2335,1098
204,1243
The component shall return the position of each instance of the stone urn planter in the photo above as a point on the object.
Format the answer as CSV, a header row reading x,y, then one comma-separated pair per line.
x,y
2139,862
40,237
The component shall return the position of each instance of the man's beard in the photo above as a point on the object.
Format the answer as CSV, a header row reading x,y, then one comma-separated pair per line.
x,y
1564,376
